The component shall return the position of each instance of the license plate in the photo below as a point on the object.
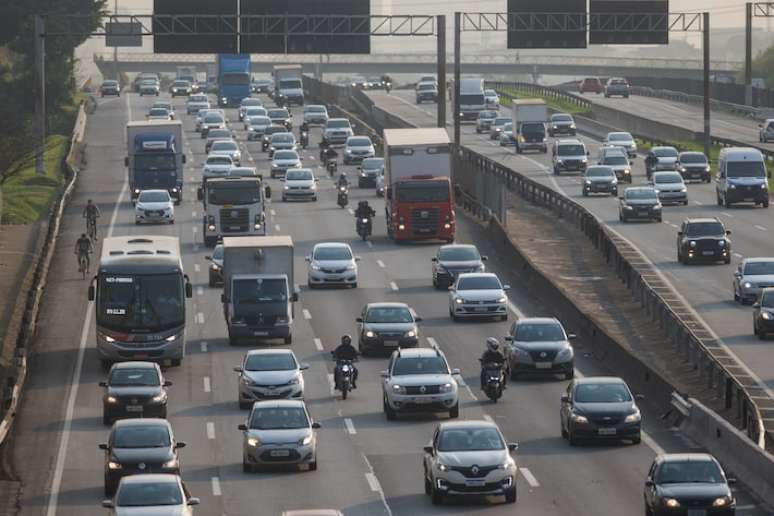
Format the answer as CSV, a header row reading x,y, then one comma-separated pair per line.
x,y
707,253
134,408
260,333
696,512
474,483
140,355
543,365
280,453
606,431
391,343
749,199
643,213
480,309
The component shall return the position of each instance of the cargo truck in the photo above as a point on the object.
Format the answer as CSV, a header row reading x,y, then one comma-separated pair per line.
x,y
233,79
288,85
188,73
155,157
529,125
417,178
258,290
233,206
472,100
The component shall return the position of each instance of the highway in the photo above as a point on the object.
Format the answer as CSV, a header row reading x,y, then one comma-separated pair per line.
x,y
367,465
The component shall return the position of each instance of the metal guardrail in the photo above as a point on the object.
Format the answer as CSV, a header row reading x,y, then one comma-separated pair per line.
x,y
541,91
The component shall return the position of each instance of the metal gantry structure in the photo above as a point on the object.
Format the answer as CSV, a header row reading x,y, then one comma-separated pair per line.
x,y
752,10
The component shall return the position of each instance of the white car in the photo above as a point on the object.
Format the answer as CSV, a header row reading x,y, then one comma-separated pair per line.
x,y
247,103
357,149
336,131
332,263
166,105
217,166
491,99
251,112
226,148
300,183
670,187
506,135
622,139
195,103
315,114
159,494
257,126
158,113
282,161
154,206
478,294
269,374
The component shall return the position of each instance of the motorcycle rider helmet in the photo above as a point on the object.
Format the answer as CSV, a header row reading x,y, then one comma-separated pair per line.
x,y
492,344
83,235
346,339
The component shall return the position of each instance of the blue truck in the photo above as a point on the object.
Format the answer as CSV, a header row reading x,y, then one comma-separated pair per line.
x,y
155,157
233,79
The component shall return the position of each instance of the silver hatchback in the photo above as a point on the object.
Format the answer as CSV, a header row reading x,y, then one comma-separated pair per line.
x,y
752,276
269,374
540,345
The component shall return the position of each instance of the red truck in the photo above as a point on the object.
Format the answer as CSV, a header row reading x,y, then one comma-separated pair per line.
x,y
418,191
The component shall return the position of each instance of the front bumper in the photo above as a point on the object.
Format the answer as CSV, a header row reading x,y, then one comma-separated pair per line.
x,y
422,403
673,197
695,174
320,277
474,310
124,408
568,165
439,233
641,213
592,430
153,217
525,364
388,343
539,146
497,482
300,194
248,393
366,180
747,194
711,255
598,187
356,158
427,96
154,351
336,140
110,91
563,129
268,454
315,120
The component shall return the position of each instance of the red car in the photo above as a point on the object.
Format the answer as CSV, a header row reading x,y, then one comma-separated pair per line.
x,y
592,85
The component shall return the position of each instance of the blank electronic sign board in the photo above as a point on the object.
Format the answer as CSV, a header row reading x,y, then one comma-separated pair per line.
x,y
547,24
629,22
206,40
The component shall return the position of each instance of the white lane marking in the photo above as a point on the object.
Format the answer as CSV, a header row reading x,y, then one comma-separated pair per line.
x,y
194,229
373,483
331,384
698,203
760,228
276,227
196,248
273,213
433,343
513,308
470,391
216,486
529,477
197,268
487,417
203,346
727,214
673,225
318,344
369,244
200,318
199,291
210,430
351,211
207,384
350,426
193,214
393,285
307,314
380,263
737,255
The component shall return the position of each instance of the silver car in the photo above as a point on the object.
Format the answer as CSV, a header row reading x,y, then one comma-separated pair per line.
x,y
336,131
282,161
506,135
357,149
279,432
539,345
158,494
766,131
497,126
332,263
300,183
226,148
476,295
315,114
622,139
620,163
269,374
154,206
166,105
247,103
670,187
149,87
212,121
158,113
491,99
469,458
281,141
217,166
485,120
256,126
752,276
250,112
196,103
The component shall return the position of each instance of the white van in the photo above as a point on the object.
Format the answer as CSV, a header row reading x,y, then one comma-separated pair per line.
x,y
471,98
742,177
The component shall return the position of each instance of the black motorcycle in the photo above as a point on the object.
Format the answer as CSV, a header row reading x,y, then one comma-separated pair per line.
x,y
364,227
494,380
304,139
346,375
343,197
264,145
332,165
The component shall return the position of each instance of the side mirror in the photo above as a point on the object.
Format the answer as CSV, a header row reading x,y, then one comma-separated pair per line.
x,y
315,425
242,427
508,338
358,319
450,288
679,233
199,194
294,297
180,444
484,258
307,258
384,374
506,287
571,336
167,383
107,504
267,193
428,449
103,446
193,501
756,305
303,367
728,232
126,161
565,398
731,480
91,293
417,319
620,198
513,447
188,290
223,298
238,369
103,384
208,257
455,371
434,259
649,483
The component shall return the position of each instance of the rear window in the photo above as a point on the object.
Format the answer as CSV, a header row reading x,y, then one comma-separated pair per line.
x,y
285,155
667,178
600,172
693,158
337,124
665,152
359,142
700,229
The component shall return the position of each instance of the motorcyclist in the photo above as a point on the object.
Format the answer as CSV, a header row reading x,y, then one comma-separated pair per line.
x,y
342,181
492,355
364,211
303,129
345,351
83,247
330,154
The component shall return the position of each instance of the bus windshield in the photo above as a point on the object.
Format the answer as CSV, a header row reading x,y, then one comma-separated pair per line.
x,y
140,303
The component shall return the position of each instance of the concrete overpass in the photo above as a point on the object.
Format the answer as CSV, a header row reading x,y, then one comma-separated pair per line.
x,y
507,63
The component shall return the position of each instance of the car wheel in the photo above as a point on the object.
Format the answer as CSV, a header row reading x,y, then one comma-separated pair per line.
x,y
569,375
175,362
288,339
736,296
571,437
436,497
719,201
727,260
562,431
453,317
313,465
648,510
454,413
107,419
245,405
766,203
637,439
726,204
105,364
428,486
247,468
585,193
389,412
659,219
510,495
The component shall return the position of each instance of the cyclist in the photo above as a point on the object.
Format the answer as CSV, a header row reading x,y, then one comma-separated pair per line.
x,y
91,214
83,247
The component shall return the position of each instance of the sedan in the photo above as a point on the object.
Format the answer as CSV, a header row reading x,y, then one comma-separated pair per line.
x,y
336,131
281,141
154,206
688,483
332,263
694,166
477,295
763,313
180,88
670,187
620,165
195,103
540,345
217,166
149,87
600,179
661,158
157,494
217,135
248,102
166,105
497,126
751,276
212,120
252,111
491,99
268,132
357,148
269,374
485,120
561,123
216,266
300,184
134,389
282,161
279,432
158,113
110,88
622,139
137,446
227,148
281,116
454,259
256,127
387,326
370,168
315,114
600,408
639,202
617,86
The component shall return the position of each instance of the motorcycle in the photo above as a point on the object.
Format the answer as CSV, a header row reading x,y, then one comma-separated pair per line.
x,y
343,197
494,380
264,145
364,227
332,165
387,87
304,139
346,370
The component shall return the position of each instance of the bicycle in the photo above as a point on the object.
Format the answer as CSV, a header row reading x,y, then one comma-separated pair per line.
x,y
83,263
91,228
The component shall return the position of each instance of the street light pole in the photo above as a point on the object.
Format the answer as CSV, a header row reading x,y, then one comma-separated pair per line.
x,y
706,52
441,72
748,54
456,103
40,94
115,48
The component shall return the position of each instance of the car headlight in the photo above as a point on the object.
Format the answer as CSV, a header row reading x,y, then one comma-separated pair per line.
x,y
315,267
313,187
443,467
224,100
671,502
722,501
215,267
411,334
683,169
633,417
692,243
766,315
171,463
294,381
211,227
565,353
282,319
369,334
732,186
108,338
447,387
246,380
722,243
114,465
158,398
764,186
503,299
579,418
113,399
683,189
398,389
627,172
657,206
627,207
588,182
305,441
351,267
253,441
171,338
274,165
506,465
459,300
286,187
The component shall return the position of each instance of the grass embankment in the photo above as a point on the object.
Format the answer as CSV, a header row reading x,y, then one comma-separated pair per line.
x,y
27,195
553,103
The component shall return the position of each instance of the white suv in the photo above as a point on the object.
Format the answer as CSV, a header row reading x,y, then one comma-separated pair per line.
x,y
419,379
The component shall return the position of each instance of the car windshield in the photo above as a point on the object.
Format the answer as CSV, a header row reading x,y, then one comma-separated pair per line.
x,y
260,120
278,113
233,192
490,93
667,178
337,124
507,128
470,439
426,87
110,83
278,418
767,300
619,137
140,302
218,133
600,172
533,128
602,393
458,254
154,196
217,253
618,82
640,193
235,79
359,142
270,362
150,494
615,159
126,377
251,102
538,332
255,111
471,99
219,160
758,268
275,129
389,314
141,436
689,471
372,163
285,155
182,84
419,365
693,158
487,115
479,283
290,84
736,169
314,109
702,229
502,121
299,175
259,291
325,253
159,112
561,118
149,82
282,138
197,98
213,119
224,146
665,152
570,150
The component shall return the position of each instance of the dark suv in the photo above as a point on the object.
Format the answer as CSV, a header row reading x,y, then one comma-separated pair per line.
x,y
703,239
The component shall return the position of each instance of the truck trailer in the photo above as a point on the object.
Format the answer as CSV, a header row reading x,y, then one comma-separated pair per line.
x,y
288,85
233,79
154,157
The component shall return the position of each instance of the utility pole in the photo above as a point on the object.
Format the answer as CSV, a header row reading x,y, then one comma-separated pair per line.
x,y
40,94
441,50
115,49
456,104
748,97
706,52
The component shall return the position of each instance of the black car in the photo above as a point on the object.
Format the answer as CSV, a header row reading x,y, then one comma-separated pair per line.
x,y
600,408
684,484
369,170
138,446
262,86
216,266
763,313
703,239
387,326
561,123
110,88
600,179
694,166
639,202
452,260
134,389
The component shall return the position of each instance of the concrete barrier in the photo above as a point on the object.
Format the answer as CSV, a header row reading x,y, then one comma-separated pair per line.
x,y
744,460
648,129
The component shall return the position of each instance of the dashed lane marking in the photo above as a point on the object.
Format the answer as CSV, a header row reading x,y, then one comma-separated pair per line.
x,y
203,346
318,344
216,486
369,244
373,482
273,213
761,228
529,477
487,417
200,318
725,214
331,384
194,229
380,263
207,385
698,203
307,314
514,309
193,214
197,268
351,211
210,430
433,343
350,426
393,286
276,227
199,291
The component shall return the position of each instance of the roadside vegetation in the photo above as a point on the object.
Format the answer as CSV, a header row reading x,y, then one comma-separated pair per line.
x,y
553,103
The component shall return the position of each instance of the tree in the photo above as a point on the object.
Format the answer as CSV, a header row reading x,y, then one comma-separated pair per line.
x,y
763,66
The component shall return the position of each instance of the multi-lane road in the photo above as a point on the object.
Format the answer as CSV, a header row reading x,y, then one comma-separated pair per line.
x,y
367,465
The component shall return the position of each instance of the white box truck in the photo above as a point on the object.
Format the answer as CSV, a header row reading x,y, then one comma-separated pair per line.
x,y
233,206
529,125
288,85
471,98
